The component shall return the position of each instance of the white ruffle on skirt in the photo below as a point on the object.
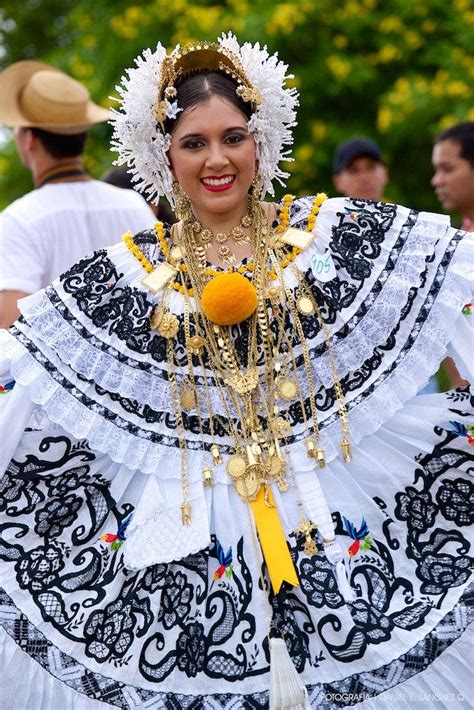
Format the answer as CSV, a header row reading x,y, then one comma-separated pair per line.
x,y
409,482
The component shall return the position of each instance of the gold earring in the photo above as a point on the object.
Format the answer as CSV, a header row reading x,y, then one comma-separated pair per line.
x,y
256,189
182,203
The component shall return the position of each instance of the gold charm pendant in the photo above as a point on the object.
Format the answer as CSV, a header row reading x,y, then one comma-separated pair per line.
x,y
277,471
188,400
296,238
243,382
286,388
207,478
346,450
305,528
166,323
185,514
216,457
168,326
195,343
248,487
158,278
305,306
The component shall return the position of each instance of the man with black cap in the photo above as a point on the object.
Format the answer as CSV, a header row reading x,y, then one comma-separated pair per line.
x,y
68,214
358,170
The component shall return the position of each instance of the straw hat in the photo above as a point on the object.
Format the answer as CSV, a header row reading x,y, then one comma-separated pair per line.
x,y
37,95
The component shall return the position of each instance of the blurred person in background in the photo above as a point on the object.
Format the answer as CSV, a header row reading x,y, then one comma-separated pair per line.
x,y
68,214
453,163
121,177
358,169
453,183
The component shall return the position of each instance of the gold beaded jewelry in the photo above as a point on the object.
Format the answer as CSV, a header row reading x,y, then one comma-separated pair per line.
x,y
205,237
257,458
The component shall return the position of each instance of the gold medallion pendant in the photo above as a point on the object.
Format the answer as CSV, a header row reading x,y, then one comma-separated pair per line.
x,y
305,306
188,400
176,254
195,343
286,388
243,382
248,487
280,427
236,466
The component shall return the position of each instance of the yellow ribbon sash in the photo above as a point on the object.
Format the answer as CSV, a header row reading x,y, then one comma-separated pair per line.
x,y
272,540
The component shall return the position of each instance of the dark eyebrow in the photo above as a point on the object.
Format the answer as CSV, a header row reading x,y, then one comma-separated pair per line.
x,y
189,136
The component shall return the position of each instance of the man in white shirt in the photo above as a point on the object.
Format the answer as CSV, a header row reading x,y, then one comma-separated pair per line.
x,y
68,214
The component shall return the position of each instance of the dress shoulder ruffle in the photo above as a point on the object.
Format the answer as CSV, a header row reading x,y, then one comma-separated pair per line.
x,y
86,352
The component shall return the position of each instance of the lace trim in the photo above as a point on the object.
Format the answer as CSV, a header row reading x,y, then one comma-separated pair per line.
x,y
148,388
70,671
175,541
368,410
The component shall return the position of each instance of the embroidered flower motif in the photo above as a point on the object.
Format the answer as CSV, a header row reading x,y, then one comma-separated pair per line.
x,y
57,515
466,430
467,309
360,536
108,632
155,578
191,648
175,600
456,501
416,508
375,626
225,562
118,539
70,481
38,568
440,572
319,583
7,387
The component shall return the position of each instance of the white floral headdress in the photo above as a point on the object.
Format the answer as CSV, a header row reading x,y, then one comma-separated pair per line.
x,y
147,94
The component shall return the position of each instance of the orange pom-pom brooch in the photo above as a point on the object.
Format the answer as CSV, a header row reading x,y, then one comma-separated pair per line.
x,y
228,298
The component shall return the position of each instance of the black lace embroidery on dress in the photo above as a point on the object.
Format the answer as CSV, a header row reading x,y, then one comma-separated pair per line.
x,y
119,313
326,398
327,696
180,617
115,315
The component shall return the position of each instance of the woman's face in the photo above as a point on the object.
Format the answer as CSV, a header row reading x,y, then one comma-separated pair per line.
x,y
212,156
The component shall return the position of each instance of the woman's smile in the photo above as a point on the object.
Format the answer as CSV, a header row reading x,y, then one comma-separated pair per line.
x,y
218,184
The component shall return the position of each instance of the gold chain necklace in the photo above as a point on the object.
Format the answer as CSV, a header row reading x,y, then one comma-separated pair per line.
x,y
257,459
205,237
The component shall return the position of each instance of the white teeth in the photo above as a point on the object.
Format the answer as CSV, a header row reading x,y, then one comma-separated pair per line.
x,y
214,182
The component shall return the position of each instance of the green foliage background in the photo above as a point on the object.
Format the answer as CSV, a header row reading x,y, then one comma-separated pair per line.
x,y
394,70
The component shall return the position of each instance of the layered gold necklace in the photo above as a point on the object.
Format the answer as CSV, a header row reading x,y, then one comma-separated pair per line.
x,y
205,237
254,383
